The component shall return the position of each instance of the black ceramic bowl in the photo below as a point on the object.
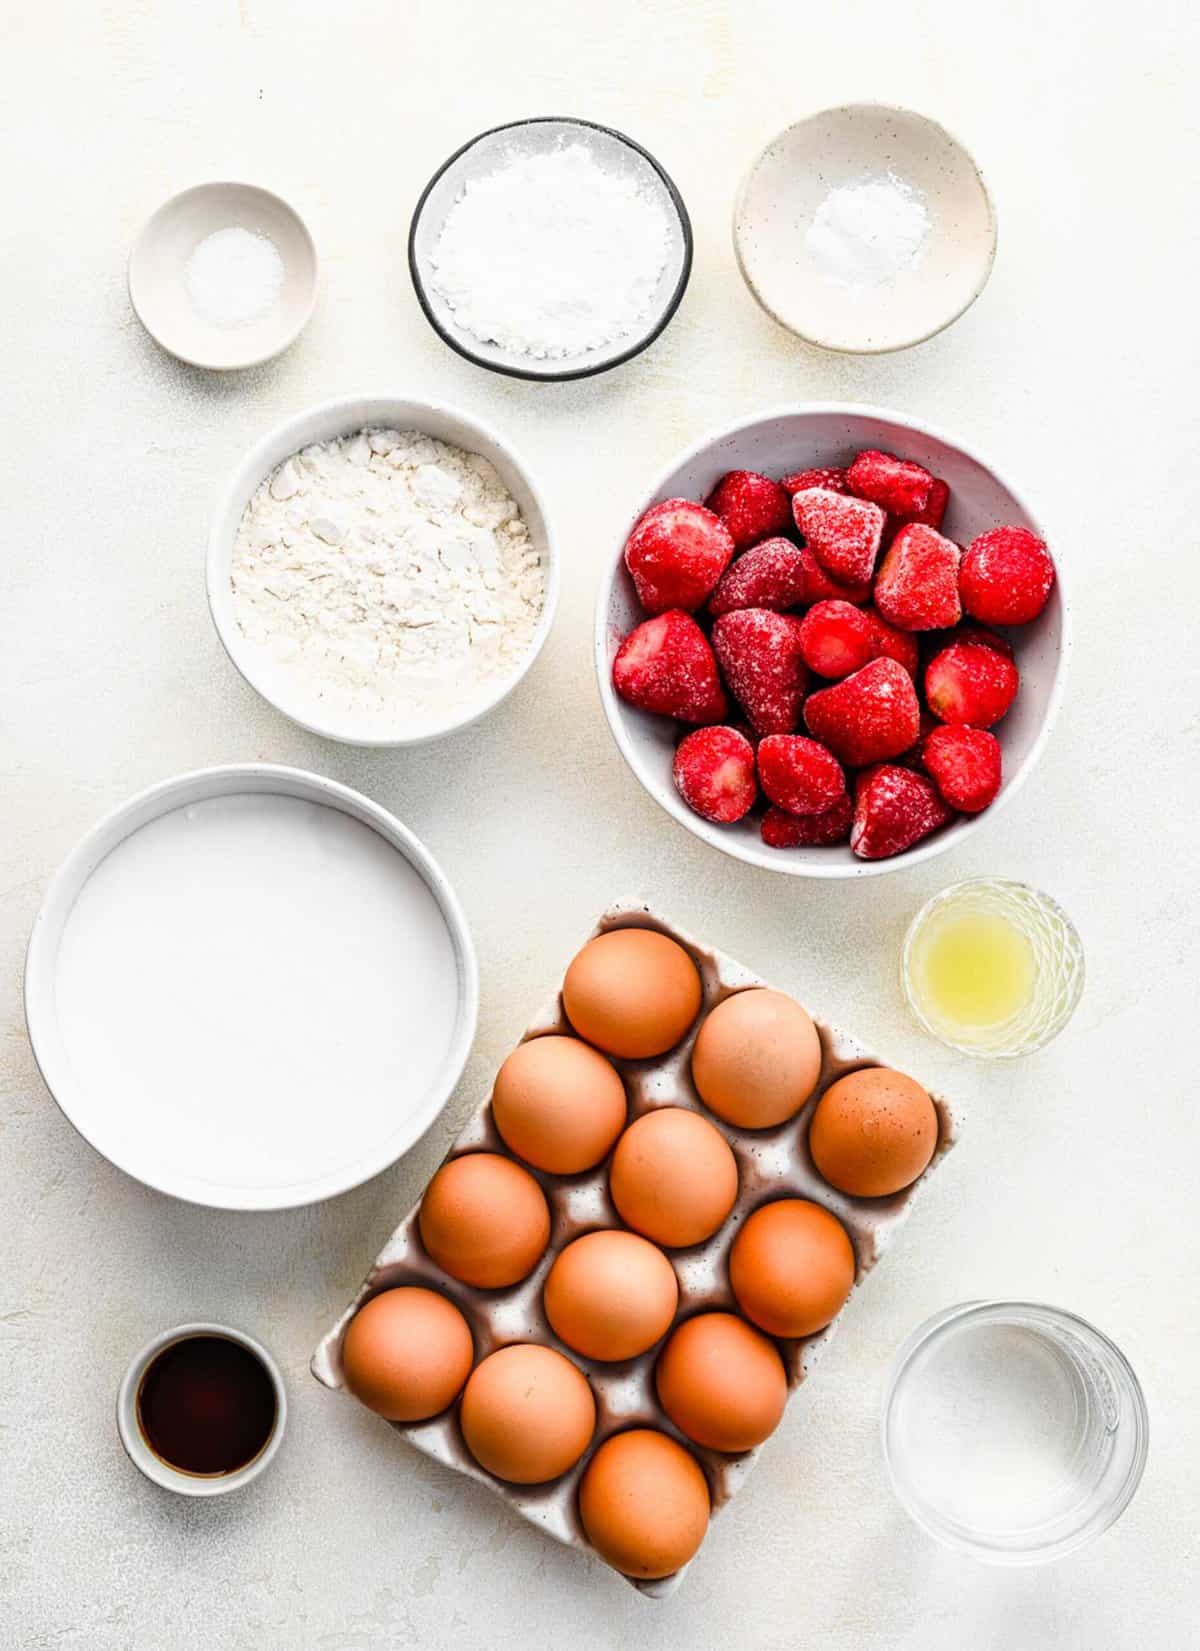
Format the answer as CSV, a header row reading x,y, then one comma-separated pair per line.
x,y
485,154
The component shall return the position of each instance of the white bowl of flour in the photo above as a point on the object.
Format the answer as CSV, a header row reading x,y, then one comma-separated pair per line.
x,y
382,570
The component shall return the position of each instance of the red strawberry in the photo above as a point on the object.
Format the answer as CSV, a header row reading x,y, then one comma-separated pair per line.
x,y
968,683
819,587
902,488
753,507
871,715
964,764
826,476
889,643
836,638
1006,576
893,809
800,775
676,553
844,534
666,665
917,587
760,655
980,634
783,830
934,513
772,575
714,771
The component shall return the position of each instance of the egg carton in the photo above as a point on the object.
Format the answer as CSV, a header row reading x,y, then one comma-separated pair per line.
x,y
771,1164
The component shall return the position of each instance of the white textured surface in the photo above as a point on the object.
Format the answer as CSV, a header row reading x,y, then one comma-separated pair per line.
x,y
1077,1179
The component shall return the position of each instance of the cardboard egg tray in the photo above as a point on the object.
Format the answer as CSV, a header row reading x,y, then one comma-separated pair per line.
x,y
771,1164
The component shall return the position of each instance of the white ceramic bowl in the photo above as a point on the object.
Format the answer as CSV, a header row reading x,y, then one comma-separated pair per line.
x,y
784,190
486,153
158,266
339,418
152,1465
339,1150
795,438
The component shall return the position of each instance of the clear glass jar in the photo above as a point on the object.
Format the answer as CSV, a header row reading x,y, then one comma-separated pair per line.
x,y
1013,1431
992,968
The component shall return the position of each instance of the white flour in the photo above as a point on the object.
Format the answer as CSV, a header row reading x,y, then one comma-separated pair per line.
x,y
387,579
551,256
865,234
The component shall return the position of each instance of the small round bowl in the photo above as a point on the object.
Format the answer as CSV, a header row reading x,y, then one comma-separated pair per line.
x,y
784,190
797,438
152,1465
484,154
159,1148
321,423
158,286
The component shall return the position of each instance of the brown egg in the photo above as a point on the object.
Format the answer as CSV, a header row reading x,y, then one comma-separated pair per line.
x,y
558,1104
756,1059
527,1414
632,992
611,1295
721,1382
673,1177
873,1132
406,1353
644,1503
791,1267
484,1220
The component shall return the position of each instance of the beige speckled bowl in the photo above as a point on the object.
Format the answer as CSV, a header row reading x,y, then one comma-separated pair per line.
x,y
791,178
158,283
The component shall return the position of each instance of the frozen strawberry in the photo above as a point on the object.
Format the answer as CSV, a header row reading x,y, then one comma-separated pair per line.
x,y
917,587
759,652
893,809
844,534
666,665
800,775
819,587
902,488
934,513
714,772
872,715
889,643
980,634
968,683
675,555
783,830
826,476
964,764
753,507
836,638
771,575
1006,576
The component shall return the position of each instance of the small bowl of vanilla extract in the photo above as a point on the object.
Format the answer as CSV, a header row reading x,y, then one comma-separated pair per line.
x,y
202,1409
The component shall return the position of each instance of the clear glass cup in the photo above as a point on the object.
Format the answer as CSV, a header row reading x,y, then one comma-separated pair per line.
x,y
992,968
1013,1431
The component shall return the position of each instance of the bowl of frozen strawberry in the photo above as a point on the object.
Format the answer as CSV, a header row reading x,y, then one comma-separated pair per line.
x,y
833,642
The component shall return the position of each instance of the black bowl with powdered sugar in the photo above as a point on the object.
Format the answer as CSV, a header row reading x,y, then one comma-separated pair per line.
x,y
550,248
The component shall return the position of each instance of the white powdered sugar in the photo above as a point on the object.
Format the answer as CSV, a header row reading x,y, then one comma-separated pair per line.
x,y
551,255
865,234
387,579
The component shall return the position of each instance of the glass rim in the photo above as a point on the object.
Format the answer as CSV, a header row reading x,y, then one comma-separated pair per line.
x,y
951,1533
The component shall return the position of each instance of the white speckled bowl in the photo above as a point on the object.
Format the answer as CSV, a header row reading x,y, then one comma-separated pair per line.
x,y
784,189
158,290
796,438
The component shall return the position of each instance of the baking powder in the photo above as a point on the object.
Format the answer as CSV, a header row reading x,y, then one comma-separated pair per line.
x,y
865,234
234,276
387,581
550,255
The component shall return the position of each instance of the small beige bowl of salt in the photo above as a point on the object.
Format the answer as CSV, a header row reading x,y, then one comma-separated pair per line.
x,y
224,275
865,228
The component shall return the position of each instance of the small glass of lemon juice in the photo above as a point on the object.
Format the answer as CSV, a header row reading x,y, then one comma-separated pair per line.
x,y
992,968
